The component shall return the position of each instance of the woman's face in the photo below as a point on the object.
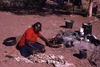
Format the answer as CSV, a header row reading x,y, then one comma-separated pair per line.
x,y
37,29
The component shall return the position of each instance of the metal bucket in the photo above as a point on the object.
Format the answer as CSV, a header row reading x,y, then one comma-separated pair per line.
x,y
83,54
87,28
69,23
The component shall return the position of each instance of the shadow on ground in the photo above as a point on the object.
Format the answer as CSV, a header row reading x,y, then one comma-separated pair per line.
x,y
49,9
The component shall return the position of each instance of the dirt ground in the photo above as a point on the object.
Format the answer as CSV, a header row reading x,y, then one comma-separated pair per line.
x,y
12,25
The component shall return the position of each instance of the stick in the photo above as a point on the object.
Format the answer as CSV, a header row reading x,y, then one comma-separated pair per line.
x,y
9,54
90,58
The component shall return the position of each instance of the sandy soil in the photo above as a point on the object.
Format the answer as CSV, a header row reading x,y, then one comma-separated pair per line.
x,y
15,25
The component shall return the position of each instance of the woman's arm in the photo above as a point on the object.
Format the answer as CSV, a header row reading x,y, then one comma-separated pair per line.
x,y
45,40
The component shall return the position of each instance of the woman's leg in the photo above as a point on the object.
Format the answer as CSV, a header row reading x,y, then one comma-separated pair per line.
x,y
25,51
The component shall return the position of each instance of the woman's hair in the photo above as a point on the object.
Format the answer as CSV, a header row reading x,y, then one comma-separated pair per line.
x,y
38,24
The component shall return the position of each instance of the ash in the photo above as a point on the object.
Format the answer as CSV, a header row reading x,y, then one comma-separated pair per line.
x,y
68,38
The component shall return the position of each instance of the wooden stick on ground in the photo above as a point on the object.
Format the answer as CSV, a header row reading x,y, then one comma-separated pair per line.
x,y
9,54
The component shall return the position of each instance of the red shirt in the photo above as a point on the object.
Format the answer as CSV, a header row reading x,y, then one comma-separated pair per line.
x,y
29,35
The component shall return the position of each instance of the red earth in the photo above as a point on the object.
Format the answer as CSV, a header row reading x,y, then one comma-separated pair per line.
x,y
12,25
